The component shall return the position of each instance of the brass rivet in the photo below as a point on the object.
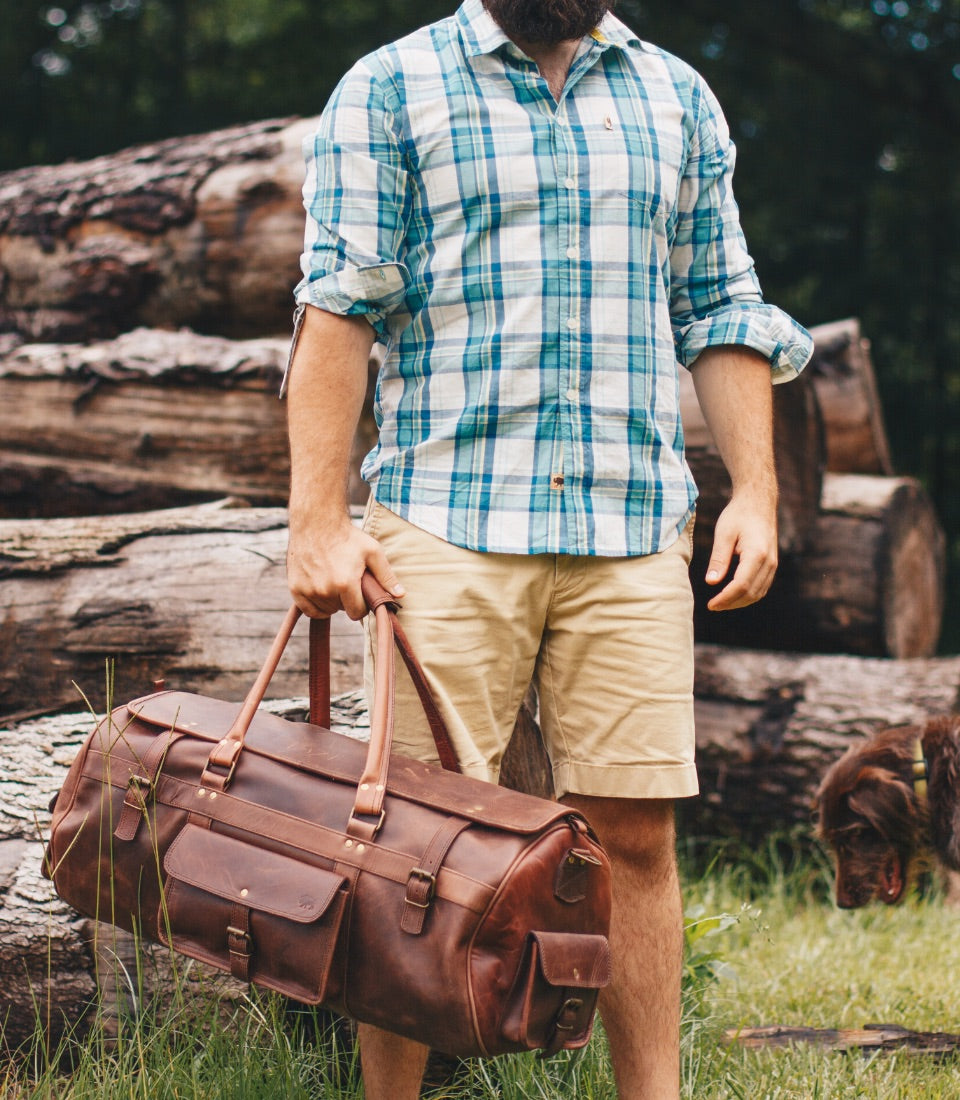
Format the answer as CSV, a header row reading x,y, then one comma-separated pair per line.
x,y
364,786
245,891
381,787
213,795
349,844
576,972
361,847
201,793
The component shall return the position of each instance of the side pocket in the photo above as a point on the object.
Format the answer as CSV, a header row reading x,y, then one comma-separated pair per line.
x,y
554,995
264,916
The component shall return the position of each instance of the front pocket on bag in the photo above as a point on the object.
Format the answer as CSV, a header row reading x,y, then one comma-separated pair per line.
x,y
264,916
554,996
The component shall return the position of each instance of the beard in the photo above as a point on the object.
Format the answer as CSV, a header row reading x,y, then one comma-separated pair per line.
x,y
547,21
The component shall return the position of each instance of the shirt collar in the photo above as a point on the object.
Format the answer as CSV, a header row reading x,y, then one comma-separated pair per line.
x,y
482,34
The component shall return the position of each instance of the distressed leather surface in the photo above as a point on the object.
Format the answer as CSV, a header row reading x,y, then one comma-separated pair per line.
x,y
462,923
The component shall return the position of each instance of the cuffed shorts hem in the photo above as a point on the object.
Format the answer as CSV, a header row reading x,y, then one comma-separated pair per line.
x,y
626,782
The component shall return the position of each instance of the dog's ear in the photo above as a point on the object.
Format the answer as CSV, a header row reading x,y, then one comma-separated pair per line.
x,y
884,800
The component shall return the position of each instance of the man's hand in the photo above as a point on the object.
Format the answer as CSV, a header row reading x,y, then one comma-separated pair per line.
x,y
749,532
327,555
735,393
325,563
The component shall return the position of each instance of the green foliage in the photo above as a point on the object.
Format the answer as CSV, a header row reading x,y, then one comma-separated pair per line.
x,y
845,113
807,964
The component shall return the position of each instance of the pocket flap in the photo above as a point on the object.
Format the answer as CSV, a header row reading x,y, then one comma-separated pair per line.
x,y
578,960
255,877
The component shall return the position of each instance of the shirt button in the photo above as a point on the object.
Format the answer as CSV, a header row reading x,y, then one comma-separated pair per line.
x,y
573,253
569,183
572,323
572,395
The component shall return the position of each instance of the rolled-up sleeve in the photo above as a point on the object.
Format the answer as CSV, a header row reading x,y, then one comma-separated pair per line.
x,y
715,297
356,198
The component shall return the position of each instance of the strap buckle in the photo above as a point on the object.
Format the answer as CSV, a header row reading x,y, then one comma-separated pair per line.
x,y
421,875
239,942
214,778
356,826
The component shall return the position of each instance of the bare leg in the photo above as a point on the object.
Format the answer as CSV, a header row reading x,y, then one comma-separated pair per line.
x,y
392,1066
641,1007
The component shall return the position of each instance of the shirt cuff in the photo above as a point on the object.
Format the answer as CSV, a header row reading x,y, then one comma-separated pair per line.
x,y
373,291
762,327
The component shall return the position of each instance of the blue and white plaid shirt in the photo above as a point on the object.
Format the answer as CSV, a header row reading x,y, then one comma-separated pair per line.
x,y
536,270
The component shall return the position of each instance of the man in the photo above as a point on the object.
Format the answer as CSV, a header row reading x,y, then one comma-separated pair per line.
x,y
531,209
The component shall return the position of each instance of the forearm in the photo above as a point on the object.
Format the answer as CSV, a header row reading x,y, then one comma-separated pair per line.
x,y
327,555
735,393
736,397
325,396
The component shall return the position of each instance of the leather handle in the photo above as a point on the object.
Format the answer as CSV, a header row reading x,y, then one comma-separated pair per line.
x,y
367,815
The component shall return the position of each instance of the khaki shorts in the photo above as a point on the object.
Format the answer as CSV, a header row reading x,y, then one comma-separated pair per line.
x,y
608,642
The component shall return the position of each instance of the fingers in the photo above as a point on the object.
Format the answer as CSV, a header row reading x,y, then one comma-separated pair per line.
x,y
749,583
324,574
752,540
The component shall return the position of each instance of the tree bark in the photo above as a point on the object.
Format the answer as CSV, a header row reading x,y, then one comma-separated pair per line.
x,y
152,419
872,581
872,1037
846,386
202,231
194,595
799,447
769,724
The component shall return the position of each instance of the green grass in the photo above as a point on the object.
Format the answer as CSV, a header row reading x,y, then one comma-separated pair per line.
x,y
765,946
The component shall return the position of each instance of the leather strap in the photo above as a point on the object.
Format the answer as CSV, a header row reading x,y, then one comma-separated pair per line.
x,y
240,942
140,786
422,883
366,817
441,738
320,672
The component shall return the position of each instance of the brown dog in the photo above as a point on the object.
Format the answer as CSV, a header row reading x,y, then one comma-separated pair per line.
x,y
887,801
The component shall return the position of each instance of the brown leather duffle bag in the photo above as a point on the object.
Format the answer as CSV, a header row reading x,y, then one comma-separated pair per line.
x,y
452,911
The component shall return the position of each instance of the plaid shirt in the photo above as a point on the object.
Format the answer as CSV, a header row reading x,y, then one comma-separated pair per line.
x,y
536,270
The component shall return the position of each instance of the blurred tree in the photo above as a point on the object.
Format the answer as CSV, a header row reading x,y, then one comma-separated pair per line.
x,y
846,115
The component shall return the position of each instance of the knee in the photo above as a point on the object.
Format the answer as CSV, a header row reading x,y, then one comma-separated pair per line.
x,y
640,832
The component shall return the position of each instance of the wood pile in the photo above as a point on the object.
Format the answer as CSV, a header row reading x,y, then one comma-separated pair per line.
x,y
145,304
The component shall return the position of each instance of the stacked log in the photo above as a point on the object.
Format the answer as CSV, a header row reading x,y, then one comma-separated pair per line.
x,y
203,232
191,595
843,376
123,431
862,553
148,420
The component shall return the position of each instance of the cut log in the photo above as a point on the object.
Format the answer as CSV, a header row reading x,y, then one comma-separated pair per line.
x,y
843,376
770,724
202,231
799,445
869,1039
877,569
151,419
54,963
193,595
872,582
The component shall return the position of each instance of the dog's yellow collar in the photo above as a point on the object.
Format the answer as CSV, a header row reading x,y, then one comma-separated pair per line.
x,y
919,770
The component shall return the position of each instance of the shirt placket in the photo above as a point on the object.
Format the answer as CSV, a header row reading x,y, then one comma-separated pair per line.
x,y
566,480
